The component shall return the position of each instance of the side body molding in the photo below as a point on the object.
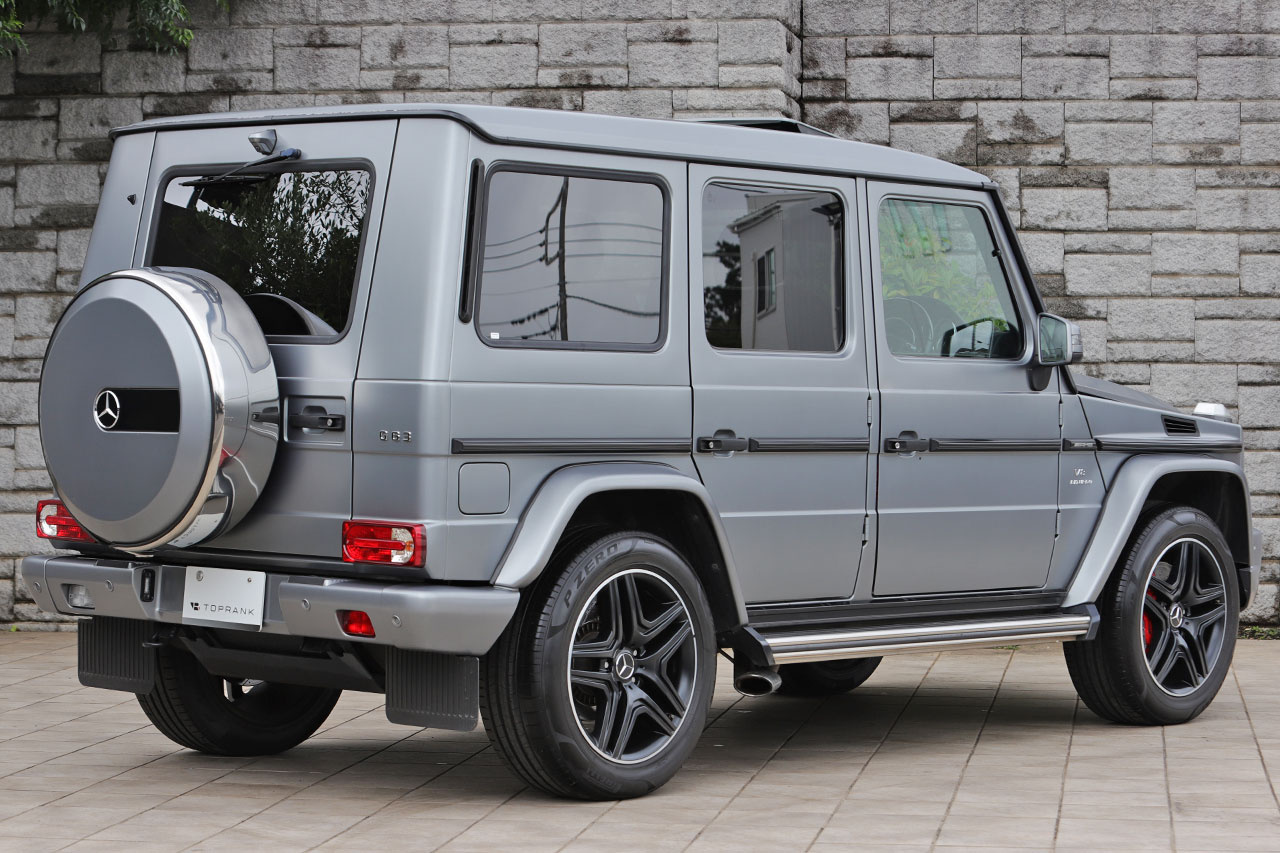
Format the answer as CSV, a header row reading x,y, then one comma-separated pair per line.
x,y
1133,482
560,495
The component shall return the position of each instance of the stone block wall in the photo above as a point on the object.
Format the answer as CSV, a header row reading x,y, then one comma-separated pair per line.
x,y
1137,144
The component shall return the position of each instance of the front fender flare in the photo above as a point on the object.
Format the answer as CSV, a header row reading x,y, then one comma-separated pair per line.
x,y
1124,502
560,495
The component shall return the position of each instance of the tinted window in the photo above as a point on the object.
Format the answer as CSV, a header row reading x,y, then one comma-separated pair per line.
x,y
289,243
945,293
773,268
570,259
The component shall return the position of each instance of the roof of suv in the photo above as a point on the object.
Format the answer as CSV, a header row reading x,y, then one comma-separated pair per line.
x,y
687,140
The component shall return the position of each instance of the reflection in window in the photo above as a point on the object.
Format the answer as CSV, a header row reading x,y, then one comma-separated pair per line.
x,y
784,246
944,290
766,283
288,242
571,259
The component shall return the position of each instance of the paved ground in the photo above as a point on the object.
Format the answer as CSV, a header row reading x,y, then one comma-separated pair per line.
x,y
982,749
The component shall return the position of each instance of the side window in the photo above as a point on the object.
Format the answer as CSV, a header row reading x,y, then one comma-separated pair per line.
x,y
773,268
572,260
289,242
944,290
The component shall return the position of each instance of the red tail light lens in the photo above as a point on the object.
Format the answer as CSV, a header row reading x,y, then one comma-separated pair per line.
x,y
356,623
383,542
54,522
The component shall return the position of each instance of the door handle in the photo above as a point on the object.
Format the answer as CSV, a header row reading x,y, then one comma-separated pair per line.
x,y
907,442
318,420
724,441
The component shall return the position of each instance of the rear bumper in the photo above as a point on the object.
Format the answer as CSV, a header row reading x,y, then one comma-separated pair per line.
x,y
413,616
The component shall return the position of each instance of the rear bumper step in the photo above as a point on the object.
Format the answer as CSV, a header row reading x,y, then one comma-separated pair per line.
x,y
875,642
411,616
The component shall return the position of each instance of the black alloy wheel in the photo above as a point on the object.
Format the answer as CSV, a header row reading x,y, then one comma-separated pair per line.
x,y
1184,616
599,687
1167,623
633,663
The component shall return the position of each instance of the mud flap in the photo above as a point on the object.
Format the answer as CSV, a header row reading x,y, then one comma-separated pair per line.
x,y
112,654
433,690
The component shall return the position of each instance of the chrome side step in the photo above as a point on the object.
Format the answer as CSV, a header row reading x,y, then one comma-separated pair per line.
x,y
874,642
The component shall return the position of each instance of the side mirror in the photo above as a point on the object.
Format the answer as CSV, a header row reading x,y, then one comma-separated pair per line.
x,y
1057,342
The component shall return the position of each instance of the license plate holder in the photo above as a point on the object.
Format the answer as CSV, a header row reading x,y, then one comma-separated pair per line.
x,y
224,597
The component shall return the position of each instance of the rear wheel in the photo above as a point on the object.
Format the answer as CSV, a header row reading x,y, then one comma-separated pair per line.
x,y
1169,619
825,677
599,687
226,716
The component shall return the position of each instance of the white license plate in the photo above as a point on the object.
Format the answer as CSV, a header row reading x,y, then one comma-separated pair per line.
x,y
224,597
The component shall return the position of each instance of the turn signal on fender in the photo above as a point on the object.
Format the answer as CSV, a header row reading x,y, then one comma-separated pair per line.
x,y
383,542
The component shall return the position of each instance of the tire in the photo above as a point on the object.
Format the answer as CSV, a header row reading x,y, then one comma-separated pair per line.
x,y
586,696
1169,616
825,678
221,716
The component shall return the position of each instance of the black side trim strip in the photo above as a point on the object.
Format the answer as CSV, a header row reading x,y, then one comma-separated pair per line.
x,y
1167,445
900,609
570,445
1000,445
808,445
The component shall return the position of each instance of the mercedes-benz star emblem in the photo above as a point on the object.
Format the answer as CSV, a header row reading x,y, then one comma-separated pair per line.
x,y
106,410
624,666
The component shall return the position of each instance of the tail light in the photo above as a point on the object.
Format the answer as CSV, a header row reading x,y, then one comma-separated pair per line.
x,y
383,542
54,522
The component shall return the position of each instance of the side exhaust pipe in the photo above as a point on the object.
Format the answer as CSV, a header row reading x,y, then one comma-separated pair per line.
x,y
757,682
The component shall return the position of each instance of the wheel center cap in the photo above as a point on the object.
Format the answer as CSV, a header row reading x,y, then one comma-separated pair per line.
x,y
624,665
1176,616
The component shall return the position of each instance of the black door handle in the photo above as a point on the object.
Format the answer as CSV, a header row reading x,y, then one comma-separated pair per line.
x,y
722,442
318,420
908,442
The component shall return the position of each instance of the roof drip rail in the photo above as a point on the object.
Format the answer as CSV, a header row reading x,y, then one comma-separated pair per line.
x,y
786,125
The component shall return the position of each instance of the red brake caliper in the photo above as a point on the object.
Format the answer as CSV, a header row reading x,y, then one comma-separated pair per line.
x,y
1146,624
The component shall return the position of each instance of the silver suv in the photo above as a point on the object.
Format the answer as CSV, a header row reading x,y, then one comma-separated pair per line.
x,y
527,416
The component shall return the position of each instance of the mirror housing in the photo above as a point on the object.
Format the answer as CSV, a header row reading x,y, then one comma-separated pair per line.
x,y
1058,342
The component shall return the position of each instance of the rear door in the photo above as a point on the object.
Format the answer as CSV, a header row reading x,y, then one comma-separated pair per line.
x,y
779,373
967,485
296,238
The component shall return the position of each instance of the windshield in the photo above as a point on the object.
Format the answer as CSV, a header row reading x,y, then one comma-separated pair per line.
x,y
288,242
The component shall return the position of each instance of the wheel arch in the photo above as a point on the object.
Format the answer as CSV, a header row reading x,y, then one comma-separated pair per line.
x,y
1215,486
644,495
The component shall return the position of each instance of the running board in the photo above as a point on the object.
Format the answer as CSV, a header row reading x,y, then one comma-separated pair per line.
x,y
875,642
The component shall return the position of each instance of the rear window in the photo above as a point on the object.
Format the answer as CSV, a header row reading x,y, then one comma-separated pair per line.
x,y
288,242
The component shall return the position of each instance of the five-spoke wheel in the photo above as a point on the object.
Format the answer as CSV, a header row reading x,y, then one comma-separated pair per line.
x,y
1169,615
632,666
599,687
1184,615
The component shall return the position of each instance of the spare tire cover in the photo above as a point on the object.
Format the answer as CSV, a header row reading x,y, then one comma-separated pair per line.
x,y
159,408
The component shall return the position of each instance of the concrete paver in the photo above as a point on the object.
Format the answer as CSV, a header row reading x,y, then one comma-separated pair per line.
x,y
984,749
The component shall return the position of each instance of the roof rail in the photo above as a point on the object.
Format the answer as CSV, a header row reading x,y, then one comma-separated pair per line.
x,y
787,125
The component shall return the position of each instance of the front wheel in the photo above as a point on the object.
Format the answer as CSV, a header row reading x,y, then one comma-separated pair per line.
x,y
599,687
1169,619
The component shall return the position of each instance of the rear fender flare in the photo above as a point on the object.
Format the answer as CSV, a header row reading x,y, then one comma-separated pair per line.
x,y
1124,502
547,516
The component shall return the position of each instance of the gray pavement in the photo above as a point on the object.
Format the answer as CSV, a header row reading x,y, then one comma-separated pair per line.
x,y
980,749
